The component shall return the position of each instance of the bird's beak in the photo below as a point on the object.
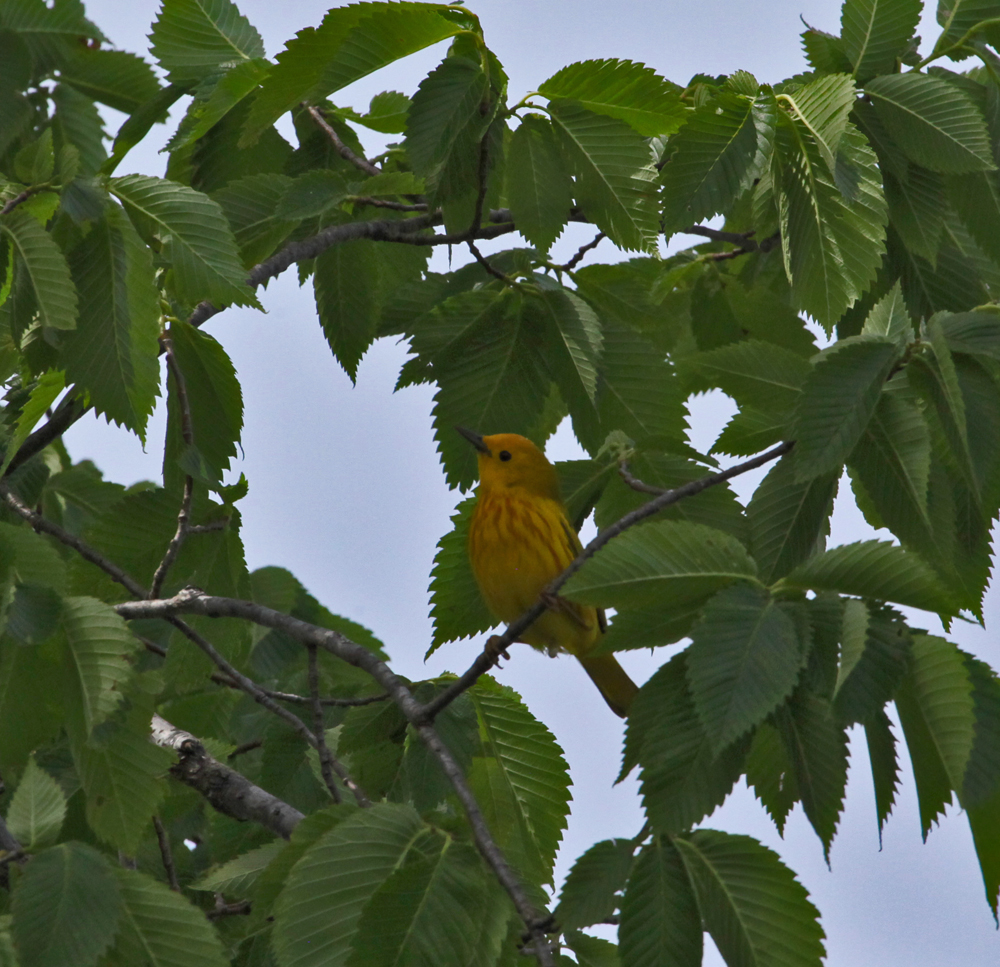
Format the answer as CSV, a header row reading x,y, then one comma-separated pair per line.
x,y
474,438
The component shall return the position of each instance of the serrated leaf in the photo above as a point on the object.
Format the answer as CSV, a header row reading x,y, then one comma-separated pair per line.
x,y
352,282
661,924
113,352
522,782
66,907
770,774
195,235
194,38
316,192
932,121
957,17
752,372
350,43
250,205
430,911
889,318
677,561
122,775
874,569
817,747
622,89
837,402
885,766
45,267
750,902
589,892
977,333
822,107
44,393
30,713
789,520
539,189
614,174
825,52
317,914
876,32
98,648
37,809
744,659
750,431
159,928
387,113
916,209
936,712
715,157
117,78
976,199
683,780
832,243
457,607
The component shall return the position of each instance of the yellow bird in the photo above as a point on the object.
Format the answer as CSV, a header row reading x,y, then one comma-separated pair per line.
x,y
519,540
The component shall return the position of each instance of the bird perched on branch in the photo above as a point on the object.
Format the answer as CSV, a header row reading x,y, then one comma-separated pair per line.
x,y
519,540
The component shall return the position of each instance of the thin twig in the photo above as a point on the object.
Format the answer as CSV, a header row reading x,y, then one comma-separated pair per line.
x,y
12,203
485,263
514,630
222,909
362,164
319,725
482,174
635,483
213,525
69,410
244,748
396,206
744,241
581,252
187,434
166,855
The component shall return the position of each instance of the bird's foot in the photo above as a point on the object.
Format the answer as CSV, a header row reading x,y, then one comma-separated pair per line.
x,y
496,649
561,606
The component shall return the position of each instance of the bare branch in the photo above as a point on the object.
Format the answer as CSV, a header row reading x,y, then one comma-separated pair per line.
x,y
743,240
396,206
581,252
20,199
240,908
244,748
212,525
362,164
165,853
226,789
319,726
187,434
11,851
484,262
635,483
67,413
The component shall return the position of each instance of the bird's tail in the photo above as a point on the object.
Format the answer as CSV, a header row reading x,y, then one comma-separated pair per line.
x,y
612,680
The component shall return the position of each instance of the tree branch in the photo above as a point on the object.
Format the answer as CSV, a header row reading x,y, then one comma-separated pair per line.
x,y
362,164
514,630
166,855
187,434
67,413
226,789
319,726
581,252
743,240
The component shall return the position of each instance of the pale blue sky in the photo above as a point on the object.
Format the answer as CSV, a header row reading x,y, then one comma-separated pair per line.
x,y
346,490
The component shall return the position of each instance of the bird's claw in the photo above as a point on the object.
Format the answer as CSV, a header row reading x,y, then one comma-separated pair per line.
x,y
496,649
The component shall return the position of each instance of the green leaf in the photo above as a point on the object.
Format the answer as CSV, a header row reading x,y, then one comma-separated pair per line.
x,y
194,38
936,712
392,183
141,121
613,171
122,775
522,782
430,911
457,607
45,392
621,89
387,113
889,318
750,902
492,379
592,951
789,520
677,561
195,235
539,189
113,77
215,401
159,928
45,267
837,402
750,431
825,52
832,243
661,923
822,107
957,17
916,209
874,569
817,748
66,907
250,206
317,192
589,892
744,659
352,282
876,33
239,875
30,714
350,43
37,809
770,774
716,157
113,352
976,198
32,558
317,913
752,372
99,647
932,121
976,333
885,765
683,780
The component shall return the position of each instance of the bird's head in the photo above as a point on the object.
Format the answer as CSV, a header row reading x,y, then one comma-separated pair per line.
x,y
508,460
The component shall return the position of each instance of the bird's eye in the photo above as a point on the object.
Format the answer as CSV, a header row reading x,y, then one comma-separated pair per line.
x,y
505,455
